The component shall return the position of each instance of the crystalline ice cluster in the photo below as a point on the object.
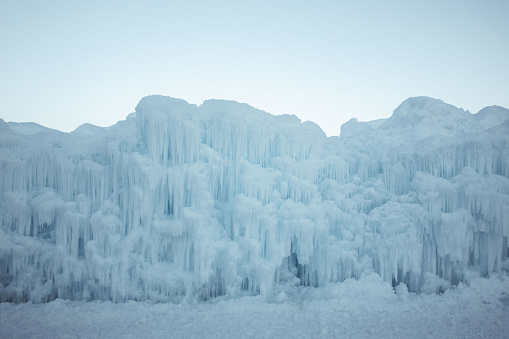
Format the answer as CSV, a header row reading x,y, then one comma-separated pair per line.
x,y
182,202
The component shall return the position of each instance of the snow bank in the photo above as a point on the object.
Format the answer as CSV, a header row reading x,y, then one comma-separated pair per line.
x,y
353,309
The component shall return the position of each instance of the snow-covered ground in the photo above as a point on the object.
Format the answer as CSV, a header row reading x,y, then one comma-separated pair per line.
x,y
352,309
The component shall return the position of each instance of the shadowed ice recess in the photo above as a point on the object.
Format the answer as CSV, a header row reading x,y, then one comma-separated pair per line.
x,y
182,202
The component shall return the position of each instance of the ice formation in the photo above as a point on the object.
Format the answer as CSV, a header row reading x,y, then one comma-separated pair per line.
x,y
182,202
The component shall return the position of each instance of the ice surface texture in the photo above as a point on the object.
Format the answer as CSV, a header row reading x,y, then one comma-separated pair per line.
x,y
180,202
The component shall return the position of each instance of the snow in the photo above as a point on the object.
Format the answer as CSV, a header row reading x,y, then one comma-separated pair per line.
x,y
353,309
183,203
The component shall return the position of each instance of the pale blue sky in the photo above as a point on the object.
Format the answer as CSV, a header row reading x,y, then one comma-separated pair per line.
x,y
64,63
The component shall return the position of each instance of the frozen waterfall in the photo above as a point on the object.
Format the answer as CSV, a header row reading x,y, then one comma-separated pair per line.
x,y
184,202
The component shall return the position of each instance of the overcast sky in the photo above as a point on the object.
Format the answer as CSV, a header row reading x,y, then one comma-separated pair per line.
x,y
64,63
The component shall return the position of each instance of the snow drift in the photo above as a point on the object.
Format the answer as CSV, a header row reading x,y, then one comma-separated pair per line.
x,y
184,202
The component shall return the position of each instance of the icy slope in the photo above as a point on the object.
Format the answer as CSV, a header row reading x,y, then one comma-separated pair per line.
x,y
180,201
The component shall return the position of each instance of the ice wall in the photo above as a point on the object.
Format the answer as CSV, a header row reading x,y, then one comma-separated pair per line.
x,y
184,202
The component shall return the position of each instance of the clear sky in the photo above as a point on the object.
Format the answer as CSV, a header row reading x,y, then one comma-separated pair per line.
x,y
64,63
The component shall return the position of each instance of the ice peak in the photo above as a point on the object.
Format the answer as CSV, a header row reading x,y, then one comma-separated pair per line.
x,y
87,129
492,110
159,106
159,100
225,104
30,128
419,117
492,116
422,106
233,110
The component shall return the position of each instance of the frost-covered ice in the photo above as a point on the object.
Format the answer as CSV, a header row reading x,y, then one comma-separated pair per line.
x,y
367,308
183,203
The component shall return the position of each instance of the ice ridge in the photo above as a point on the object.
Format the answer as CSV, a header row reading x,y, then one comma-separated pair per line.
x,y
184,202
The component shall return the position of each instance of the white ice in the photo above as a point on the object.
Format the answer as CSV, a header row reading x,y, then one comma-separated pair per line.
x,y
188,203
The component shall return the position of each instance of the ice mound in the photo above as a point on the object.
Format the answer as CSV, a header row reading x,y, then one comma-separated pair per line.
x,y
184,202
421,117
492,116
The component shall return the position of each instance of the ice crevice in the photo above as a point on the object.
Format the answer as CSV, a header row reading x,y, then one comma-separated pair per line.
x,y
183,202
